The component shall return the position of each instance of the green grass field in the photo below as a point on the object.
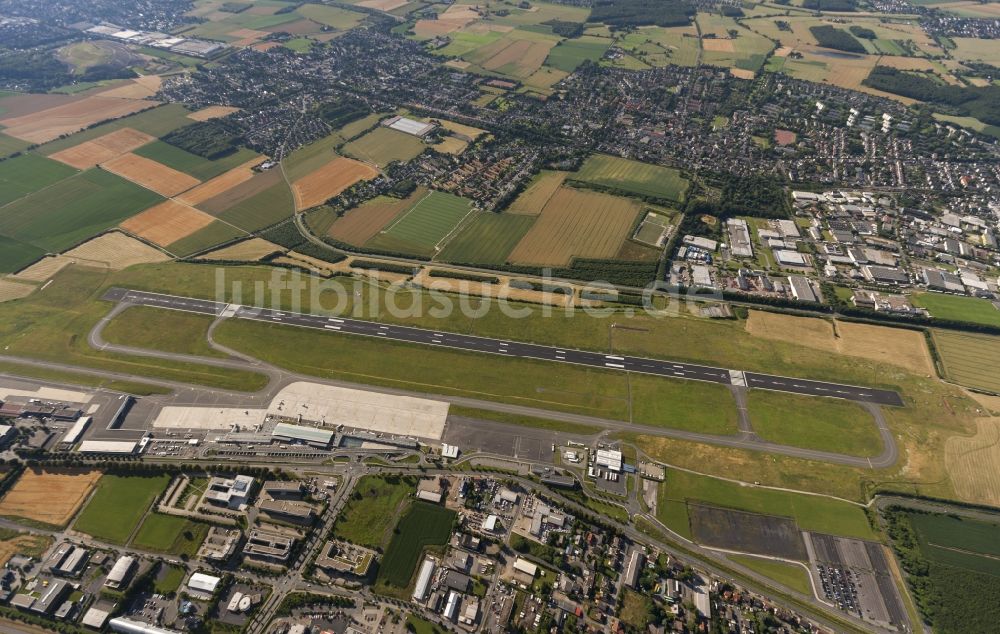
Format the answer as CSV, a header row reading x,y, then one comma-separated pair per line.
x,y
117,506
569,54
73,210
214,234
15,255
9,144
29,173
270,206
340,19
792,576
633,177
423,525
421,228
169,579
814,423
958,308
811,512
366,518
165,330
657,46
154,122
383,145
487,239
171,535
970,359
201,168
692,405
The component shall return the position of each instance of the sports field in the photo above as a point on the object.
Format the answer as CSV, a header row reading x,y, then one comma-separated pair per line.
x,y
383,145
29,173
117,506
814,423
170,534
577,223
362,223
810,512
633,177
538,192
487,239
64,491
423,525
365,519
958,308
970,359
422,228
73,210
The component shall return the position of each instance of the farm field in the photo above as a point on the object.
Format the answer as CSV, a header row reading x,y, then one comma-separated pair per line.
x,y
970,359
16,543
169,534
10,145
340,19
975,50
29,173
155,122
167,223
193,165
219,185
789,575
103,148
577,223
383,145
569,54
149,174
633,177
423,525
809,512
73,210
373,500
747,51
973,463
51,123
329,180
487,239
537,194
362,223
117,506
115,250
215,233
420,229
248,250
261,209
64,492
814,423
958,308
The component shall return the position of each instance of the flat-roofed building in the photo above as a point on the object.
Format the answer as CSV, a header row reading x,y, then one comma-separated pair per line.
x,y
276,489
125,625
633,567
609,459
74,433
802,290
220,544
312,436
345,558
74,562
203,584
120,572
232,493
424,578
410,126
291,510
108,446
268,546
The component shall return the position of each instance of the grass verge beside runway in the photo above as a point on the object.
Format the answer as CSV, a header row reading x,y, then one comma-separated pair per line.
x,y
118,505
77,378
792,576
165,330
810,512
526,421
814,423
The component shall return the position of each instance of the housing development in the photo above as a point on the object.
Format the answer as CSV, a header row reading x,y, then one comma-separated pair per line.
x,y
403,316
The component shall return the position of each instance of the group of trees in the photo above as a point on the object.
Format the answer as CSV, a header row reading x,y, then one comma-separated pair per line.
x,y
208,139
839,39
41,71
981,102
629,13
830,5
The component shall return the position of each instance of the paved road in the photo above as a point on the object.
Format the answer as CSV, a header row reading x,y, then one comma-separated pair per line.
x,y
471,343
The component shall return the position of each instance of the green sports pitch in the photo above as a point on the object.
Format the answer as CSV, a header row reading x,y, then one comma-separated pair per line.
x,y
425,225
119,503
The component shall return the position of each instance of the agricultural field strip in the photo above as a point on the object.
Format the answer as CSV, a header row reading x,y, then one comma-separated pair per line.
x,y
472,343
406,213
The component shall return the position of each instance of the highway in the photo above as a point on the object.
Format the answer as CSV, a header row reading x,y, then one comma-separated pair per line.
x,y
472,343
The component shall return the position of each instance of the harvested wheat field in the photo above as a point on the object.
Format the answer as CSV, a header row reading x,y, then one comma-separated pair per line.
x,y
139,88
212,112
43,269
115,250
9,289
167,222
361,224
534,198
383,5
103,148
904,348
147,173
576,223
326,182
248,251
718,45
742,73
63,490
44,126
974,463
220,184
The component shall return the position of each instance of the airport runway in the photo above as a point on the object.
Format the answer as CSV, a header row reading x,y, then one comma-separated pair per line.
x,y
471,343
